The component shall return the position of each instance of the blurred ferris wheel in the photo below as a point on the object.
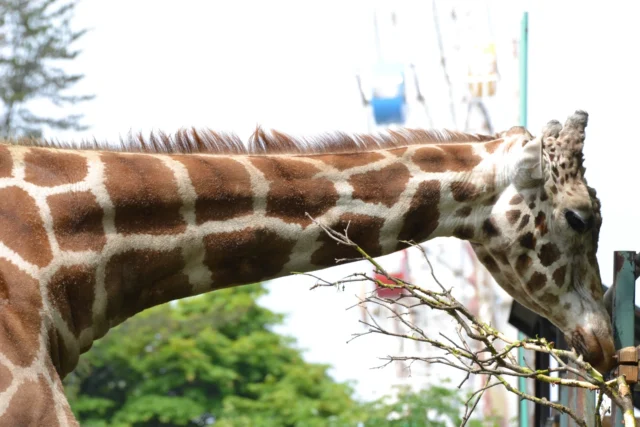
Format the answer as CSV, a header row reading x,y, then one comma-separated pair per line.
x,y
466,53
383,85
465,58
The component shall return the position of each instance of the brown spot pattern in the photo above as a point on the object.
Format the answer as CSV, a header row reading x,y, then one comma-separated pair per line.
x,y
144,193
398,151
22,227
523,263
5,378
516,200
77,221
550,300
501,257
382,186
31,405
345,161
461,157
541,223
491,200
71,293
245,256
492,146
536,282
463,212
6,163
454,157
490,264
463,191
293,191
363,229
138,279
20,321
513,215
528,241
549,253
423,214
559,274
48,168
489,228
463,232
524,221
222,186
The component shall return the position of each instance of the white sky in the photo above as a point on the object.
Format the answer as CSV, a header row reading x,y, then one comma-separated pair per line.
x,y
291,65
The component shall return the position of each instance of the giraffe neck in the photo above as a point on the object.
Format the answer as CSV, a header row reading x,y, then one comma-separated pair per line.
x,y
105,235
178,226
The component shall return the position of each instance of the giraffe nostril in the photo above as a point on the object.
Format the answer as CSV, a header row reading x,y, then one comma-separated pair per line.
x,y
596,348
579,221
579,343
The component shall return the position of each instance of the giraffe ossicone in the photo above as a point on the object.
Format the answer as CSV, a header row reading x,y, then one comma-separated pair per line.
x,y
90,236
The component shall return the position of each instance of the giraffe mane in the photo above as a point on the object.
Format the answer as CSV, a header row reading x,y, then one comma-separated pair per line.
x,y
263,142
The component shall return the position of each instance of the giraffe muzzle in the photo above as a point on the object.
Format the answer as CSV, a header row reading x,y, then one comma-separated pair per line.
x,y
597,349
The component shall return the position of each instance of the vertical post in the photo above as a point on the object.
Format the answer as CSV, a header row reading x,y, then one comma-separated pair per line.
x,y
523,413
623,309
581,401
542,390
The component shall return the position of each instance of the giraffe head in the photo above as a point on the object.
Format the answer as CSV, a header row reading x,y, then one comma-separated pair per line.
x,y
547,222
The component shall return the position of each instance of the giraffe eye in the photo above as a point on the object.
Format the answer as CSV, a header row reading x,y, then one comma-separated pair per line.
x,y
577,222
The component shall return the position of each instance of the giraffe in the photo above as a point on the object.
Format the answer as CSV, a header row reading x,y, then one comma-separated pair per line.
x,y
91,235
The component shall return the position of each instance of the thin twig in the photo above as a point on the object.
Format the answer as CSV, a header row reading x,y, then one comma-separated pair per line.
x,y
494,356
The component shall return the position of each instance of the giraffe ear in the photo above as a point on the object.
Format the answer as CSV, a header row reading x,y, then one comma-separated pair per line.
x,y
528,171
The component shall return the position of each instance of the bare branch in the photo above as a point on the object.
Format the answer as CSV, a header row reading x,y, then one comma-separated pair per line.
x,y
495,353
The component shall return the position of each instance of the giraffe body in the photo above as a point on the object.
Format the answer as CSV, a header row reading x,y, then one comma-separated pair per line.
x,y
89,238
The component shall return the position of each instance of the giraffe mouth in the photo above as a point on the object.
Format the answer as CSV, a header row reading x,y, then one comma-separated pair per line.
x,y
597,350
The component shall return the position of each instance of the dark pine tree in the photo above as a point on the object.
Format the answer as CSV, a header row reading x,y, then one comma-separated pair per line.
x,y
35,44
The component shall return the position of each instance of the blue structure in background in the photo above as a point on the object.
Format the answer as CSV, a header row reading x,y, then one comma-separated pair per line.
x,y
388,99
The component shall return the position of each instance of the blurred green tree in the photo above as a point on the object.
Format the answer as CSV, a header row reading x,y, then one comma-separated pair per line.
x,y
203,360
35,39
215,360
435,406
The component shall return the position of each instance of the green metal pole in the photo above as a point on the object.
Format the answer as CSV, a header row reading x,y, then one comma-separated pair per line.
x,y
524,52
522,386
623,310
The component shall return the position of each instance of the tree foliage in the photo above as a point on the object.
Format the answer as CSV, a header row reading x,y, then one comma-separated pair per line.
x,y
435,406
35,42
204,359
215,360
